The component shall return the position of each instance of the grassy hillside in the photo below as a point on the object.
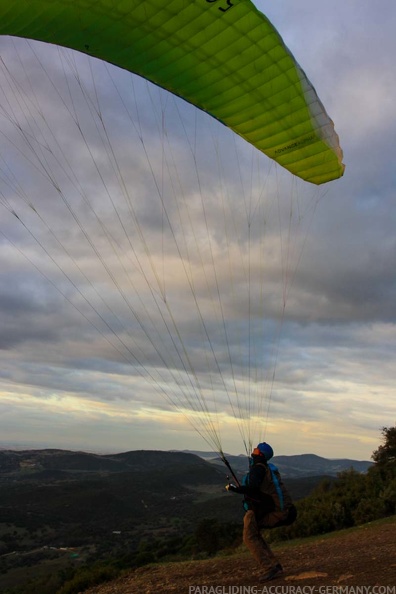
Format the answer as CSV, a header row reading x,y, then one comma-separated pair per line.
x,y
364,556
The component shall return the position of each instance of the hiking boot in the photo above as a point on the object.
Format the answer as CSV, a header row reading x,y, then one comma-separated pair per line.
x,y
272,574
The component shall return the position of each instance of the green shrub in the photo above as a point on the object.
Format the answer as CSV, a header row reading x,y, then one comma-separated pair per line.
x,y
87,577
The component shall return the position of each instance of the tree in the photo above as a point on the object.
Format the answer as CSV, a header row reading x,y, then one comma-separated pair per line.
x,y
384,469
386,453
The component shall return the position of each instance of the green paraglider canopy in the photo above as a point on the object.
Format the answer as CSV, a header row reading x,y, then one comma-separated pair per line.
x,y
223,56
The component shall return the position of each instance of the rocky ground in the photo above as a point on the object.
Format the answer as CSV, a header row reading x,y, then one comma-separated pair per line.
x,y
364,556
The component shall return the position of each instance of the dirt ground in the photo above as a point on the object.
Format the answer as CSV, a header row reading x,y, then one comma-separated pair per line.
x,y
364,556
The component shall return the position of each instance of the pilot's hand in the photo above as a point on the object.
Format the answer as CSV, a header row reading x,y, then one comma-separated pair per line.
x,y
231,487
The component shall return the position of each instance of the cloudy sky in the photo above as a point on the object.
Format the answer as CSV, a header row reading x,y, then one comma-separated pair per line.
x,y
161,283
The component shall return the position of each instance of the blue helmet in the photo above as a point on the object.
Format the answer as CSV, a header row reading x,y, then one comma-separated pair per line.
x,y
265,450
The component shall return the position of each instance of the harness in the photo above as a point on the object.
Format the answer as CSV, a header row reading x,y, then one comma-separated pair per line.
x,y
275,480
275,489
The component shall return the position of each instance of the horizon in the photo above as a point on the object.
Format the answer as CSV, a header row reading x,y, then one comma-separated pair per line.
x,y
199,453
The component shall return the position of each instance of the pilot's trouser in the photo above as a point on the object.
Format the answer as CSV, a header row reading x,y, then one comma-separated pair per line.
x,y
256,544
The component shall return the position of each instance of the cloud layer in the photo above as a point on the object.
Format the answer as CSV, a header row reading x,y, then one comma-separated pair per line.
x,y
151,263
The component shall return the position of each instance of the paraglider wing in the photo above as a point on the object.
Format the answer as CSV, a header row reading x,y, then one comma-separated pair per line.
x,y
223,56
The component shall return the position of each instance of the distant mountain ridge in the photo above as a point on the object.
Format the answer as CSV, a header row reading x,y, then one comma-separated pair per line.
x,y
295,466
143,486
313,465
75,461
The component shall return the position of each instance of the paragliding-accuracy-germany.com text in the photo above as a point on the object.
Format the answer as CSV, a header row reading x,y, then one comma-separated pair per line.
x,y
278,589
